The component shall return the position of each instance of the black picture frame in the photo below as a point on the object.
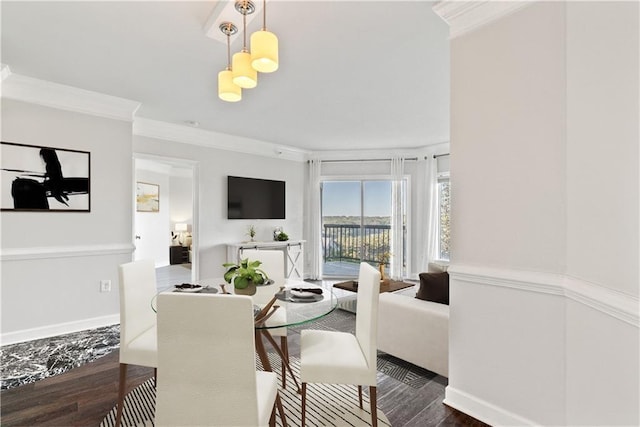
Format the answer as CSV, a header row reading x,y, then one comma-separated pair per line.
x,y
38,178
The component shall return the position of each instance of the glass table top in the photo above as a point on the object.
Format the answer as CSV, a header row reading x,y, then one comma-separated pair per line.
x,y
300,308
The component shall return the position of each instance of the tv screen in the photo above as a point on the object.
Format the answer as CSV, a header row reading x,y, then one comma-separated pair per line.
x,y
250,198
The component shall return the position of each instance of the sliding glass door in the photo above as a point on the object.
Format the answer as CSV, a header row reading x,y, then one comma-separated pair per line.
x,y
356,225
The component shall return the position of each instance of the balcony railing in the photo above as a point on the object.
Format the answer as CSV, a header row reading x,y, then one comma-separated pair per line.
x,y
351,243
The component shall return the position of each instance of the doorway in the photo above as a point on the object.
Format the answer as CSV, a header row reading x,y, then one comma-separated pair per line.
x,y
167,232
356,225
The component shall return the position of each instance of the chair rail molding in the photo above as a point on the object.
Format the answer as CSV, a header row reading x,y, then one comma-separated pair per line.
x,y
466,16
615,304
49,94
48,252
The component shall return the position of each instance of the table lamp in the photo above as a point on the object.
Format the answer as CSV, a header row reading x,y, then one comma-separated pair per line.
x,y
180,228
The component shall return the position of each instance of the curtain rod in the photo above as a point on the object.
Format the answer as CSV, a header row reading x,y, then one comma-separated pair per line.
x,y
365,160
435,156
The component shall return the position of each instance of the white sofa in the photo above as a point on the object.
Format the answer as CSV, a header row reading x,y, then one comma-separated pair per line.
x,y
414,330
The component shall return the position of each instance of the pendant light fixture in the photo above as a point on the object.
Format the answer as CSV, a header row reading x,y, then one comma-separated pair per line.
x,y
244,75
264,47
227,89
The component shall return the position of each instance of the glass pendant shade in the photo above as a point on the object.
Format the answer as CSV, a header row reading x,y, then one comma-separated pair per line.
x,y
227,90
264,51
243,74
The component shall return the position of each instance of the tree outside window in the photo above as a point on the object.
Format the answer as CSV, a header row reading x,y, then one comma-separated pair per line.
x,y
444,203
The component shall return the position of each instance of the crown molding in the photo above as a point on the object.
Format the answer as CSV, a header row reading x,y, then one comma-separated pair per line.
x,y
419,152
49,94
466,16
221,141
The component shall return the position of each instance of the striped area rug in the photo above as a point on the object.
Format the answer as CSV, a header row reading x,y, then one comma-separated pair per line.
x,y
327,404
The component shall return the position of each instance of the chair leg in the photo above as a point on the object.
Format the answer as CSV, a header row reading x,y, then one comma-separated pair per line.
x,y
360,396
272,419
304,402
374,408
284,344
122,388
283,418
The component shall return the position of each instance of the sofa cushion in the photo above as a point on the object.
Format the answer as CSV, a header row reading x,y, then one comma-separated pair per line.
x,y
434,287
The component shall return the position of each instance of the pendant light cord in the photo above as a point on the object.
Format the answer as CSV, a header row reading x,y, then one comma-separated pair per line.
x,y
229,49
264,15
244,24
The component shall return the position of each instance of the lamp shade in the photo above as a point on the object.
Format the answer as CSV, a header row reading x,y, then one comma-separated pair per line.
x,y
243,74
181,226
264,51
227,90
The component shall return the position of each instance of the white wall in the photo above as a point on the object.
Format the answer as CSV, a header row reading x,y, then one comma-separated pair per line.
x,y
214,165
52,262
508,155
544,276
602,144
507,180
602,207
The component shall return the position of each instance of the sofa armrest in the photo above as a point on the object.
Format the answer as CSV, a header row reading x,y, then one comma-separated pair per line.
x,y
414,330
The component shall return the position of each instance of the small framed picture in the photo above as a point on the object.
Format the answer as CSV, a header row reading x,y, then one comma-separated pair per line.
x,y
147,197
46,179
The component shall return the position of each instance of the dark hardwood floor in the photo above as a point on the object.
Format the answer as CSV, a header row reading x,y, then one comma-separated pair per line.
x,y
80,397
84,395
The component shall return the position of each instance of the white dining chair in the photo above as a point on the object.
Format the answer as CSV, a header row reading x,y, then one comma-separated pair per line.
x,y
342,358
206,364
273,266
138,336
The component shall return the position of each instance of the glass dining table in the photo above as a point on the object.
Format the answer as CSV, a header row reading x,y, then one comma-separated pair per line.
x,y
301,307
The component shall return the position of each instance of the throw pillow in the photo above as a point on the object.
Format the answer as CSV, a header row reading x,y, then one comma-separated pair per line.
x,y
437,267
434,287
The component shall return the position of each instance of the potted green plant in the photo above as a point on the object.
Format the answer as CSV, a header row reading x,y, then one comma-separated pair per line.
x,y
251,232
245,276
282,237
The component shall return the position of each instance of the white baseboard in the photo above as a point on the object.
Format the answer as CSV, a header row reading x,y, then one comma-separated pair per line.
x,y
482,410
58,329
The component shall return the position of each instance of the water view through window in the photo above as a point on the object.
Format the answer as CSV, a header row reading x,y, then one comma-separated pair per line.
x,y
356,225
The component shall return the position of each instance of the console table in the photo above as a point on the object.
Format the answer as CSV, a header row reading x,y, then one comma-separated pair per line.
x,y
293,254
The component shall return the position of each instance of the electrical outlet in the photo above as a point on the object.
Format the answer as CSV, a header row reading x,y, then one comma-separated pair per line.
x,y
105,286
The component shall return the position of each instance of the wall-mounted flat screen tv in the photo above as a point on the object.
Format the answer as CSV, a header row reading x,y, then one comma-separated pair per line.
x,y
251,198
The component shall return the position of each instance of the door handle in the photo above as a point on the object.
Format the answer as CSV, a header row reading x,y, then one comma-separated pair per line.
x,y
137,237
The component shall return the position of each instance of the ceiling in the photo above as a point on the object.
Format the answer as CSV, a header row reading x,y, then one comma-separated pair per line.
x,y
353,75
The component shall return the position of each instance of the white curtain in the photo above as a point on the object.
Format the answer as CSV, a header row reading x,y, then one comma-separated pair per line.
x,y
397,217
428,216
313,229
